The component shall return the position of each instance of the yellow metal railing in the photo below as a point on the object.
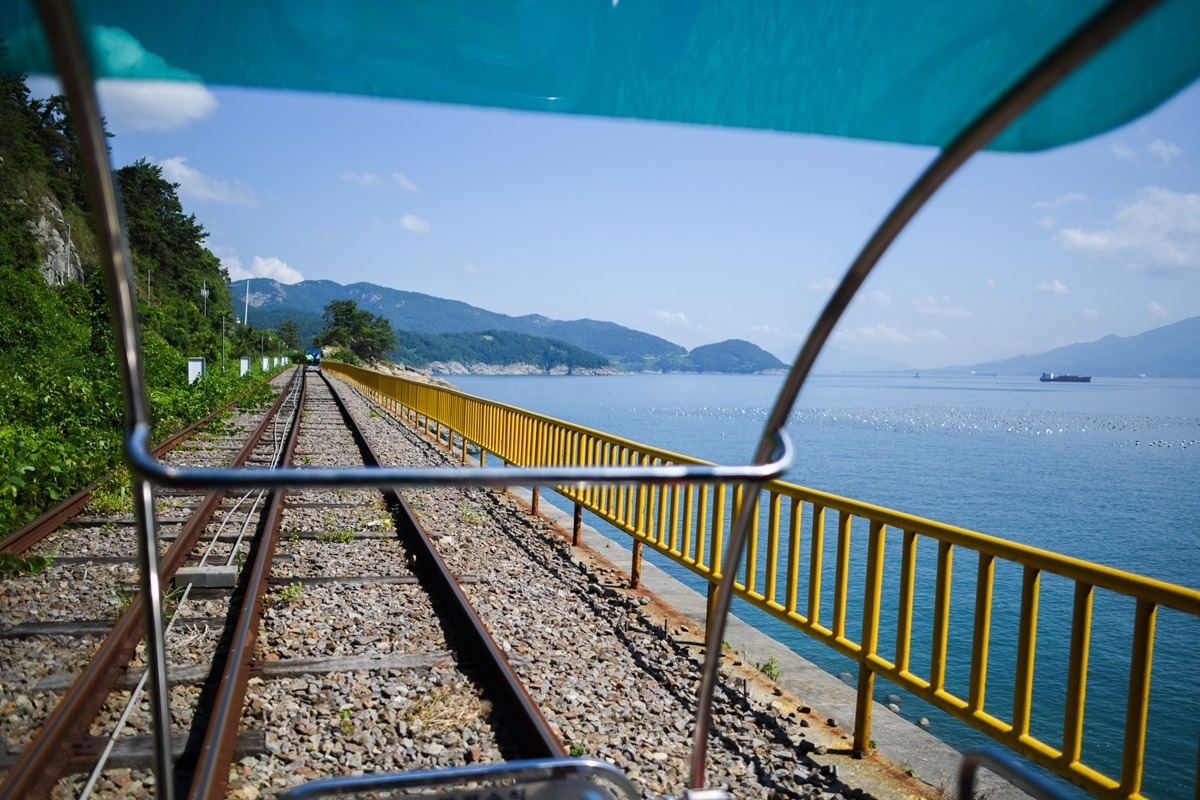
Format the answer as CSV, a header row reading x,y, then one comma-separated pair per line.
x,y
687,523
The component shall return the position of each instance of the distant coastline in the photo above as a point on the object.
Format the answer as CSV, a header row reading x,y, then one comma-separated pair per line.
x,y
458,368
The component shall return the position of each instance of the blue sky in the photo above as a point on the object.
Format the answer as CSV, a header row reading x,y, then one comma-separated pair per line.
x,y
691,233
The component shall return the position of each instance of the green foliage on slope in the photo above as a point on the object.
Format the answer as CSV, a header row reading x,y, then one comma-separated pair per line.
x,y
500,348
60,400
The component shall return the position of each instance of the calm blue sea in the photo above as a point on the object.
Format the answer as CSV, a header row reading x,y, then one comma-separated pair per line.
x,y
1107,471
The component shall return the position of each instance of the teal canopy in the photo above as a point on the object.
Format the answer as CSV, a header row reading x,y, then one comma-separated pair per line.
x,y
912,71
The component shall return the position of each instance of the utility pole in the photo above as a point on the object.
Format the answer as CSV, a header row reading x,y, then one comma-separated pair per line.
x,y
148,271
246,315
222,344
204,294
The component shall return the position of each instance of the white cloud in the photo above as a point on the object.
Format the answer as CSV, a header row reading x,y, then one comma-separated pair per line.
x,y
1091,313
933,335
1157,310
991,283
672,317
414,224
1054,286
939,307
1159,232
195,185
1124,151
1164,151
1061,200
1047,220
767,330
822,284
154,105
361,178
873,333
1161,149
260,267
879,297
275,269
231,263
150,103
142,105
405,183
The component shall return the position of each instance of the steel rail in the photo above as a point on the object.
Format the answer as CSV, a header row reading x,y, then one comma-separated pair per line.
x,y
520,713
47,523
211,775
44,760
1111,20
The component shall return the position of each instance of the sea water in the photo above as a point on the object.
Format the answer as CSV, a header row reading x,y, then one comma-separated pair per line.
x,y
1108,472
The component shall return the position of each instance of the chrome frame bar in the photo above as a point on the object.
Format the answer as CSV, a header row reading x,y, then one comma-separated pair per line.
x,y
69,49
774,453
1012,771
537,770
138,454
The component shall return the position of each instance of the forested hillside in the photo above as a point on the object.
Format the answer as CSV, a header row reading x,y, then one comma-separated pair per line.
x,y
493,347
422,313
60,401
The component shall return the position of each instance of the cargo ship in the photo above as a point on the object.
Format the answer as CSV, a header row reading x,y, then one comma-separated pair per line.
x,y
1050,377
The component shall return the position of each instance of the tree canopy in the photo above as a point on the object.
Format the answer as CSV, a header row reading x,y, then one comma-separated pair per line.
x,y
368,336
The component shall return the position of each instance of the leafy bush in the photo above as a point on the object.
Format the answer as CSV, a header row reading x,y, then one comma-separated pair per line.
x,y
345,356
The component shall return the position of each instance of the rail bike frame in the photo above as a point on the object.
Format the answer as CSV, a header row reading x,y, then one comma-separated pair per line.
x,y
772,456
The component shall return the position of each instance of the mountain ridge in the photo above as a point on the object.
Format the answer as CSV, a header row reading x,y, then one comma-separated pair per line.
x,y
1169,351
424,313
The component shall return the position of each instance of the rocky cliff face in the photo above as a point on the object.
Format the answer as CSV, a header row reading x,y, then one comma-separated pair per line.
x,y
60,263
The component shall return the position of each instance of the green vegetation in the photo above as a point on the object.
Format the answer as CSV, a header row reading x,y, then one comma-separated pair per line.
x,y
470,515
11,565
285,595
337,535
493,347
345,356
60,399
578,750
367,335
733,356
770,668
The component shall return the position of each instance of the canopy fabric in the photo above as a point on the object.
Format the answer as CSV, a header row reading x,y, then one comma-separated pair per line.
x,y
913,71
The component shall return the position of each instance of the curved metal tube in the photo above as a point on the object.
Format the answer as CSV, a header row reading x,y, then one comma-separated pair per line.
x,y
537,770
69,50
1098,31
143,464
1012,771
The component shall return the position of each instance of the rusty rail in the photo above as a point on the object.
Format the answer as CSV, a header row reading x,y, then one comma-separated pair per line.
x,y
45,759
37,529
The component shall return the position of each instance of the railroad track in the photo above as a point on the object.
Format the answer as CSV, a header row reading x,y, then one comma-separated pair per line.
x,y
337,632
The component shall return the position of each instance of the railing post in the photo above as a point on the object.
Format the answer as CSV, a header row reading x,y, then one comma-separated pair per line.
x,y
710,610
635,569
577,524
872,595
533,505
